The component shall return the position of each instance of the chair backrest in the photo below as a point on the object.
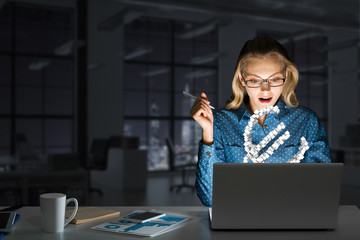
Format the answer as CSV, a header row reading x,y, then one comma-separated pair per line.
x,y
99,153
172,153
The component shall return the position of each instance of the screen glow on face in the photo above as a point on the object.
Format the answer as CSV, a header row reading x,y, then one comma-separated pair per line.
x,y
264,68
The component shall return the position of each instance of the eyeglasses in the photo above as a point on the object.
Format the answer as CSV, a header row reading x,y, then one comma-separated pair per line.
x,y
256,83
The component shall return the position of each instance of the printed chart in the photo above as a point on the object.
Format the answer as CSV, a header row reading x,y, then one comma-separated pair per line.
x,y
151,228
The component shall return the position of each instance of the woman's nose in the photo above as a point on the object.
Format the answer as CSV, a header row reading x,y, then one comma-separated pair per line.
x,y
265,86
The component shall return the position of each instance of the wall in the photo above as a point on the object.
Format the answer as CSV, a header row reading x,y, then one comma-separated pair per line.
x,y
105,72
343,84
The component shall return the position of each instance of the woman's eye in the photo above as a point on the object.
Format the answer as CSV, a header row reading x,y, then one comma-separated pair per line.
x,y
275,79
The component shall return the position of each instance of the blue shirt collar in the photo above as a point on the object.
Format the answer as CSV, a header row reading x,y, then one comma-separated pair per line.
x,y
242,112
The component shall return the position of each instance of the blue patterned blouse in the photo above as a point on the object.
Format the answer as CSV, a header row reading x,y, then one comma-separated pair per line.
x,y
228,146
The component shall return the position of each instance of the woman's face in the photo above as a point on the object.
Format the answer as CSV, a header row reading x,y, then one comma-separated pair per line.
x,y
264,68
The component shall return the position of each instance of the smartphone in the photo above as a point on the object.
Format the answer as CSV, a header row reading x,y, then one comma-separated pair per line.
x,y
144,217
6,221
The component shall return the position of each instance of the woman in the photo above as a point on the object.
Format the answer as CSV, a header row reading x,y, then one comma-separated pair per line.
x,y
264,76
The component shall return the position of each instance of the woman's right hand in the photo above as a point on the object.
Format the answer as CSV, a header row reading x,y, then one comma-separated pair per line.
x,y
203,115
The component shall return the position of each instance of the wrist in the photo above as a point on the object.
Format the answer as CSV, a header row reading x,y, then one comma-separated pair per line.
x,y
207,143
207,138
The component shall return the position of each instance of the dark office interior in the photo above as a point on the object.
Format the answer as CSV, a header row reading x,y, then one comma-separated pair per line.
x,y
91,91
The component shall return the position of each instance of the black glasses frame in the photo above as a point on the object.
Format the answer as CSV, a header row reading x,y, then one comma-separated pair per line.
x,y
267,81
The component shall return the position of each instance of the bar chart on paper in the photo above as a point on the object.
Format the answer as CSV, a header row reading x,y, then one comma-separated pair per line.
x,y
150,228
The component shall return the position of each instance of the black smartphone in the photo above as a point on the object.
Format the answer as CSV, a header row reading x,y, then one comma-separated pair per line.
x,y
6,221
144,217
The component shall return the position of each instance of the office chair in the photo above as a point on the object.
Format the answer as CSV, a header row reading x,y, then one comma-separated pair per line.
x,y
97,159
183,167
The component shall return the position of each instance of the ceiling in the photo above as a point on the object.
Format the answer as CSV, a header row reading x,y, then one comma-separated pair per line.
x,y
324,13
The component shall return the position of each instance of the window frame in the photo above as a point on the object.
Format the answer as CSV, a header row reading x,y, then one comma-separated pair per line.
x,y
13,116
172,65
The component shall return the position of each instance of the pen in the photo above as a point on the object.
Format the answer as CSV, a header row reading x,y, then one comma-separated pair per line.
x,y
192,96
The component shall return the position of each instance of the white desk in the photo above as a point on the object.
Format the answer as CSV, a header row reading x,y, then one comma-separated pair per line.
x,y
28,227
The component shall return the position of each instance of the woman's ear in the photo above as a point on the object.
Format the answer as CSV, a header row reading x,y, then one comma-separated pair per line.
x,y
241,79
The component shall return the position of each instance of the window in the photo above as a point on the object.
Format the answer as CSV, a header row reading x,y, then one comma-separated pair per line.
x,y
164,58
37,83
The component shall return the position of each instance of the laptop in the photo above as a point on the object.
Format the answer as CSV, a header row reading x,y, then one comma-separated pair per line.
x,y
275,195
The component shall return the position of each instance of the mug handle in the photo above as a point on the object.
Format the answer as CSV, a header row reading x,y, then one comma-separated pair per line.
x,y
67,221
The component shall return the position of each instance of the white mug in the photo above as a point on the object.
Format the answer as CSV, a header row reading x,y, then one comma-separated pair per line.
x,y
52,206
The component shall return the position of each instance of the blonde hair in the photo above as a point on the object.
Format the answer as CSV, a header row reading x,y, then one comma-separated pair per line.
x,y
260,47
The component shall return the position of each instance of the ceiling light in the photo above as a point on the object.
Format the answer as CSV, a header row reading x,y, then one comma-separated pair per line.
x,y
200,74
156,72
140,51
339,45
38,65
64,49
313,68
205,58
199,30
120,18
302,34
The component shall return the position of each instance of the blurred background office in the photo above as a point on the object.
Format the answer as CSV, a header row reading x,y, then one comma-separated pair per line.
x,y
91,97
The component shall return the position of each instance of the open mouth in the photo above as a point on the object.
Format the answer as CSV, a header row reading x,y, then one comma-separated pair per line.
x,y
265,99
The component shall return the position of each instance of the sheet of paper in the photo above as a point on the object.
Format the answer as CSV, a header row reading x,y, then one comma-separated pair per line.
x,y
151,228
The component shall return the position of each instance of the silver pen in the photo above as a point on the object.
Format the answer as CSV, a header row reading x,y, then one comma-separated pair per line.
x,y
192,96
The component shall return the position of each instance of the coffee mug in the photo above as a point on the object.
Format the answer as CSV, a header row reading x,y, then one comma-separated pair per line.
x,y
52,206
